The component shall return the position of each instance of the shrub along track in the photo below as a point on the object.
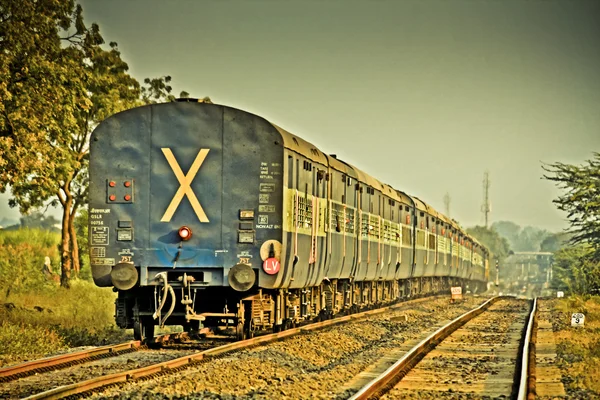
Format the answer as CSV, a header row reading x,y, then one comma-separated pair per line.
x,y
316,360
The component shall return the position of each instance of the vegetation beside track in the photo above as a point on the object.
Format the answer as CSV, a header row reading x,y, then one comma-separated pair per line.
x,y
578,348
37,316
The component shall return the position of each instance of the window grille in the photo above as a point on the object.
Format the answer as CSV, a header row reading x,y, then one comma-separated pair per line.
x,y
350,221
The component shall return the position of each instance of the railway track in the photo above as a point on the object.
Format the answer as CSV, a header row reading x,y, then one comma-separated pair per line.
x,y
484,353
22,370
139,375
31,377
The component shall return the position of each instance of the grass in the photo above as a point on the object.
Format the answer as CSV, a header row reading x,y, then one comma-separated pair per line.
x,y
579,348
38,317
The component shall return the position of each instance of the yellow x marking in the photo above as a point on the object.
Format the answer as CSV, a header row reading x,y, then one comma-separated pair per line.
x,y
184,181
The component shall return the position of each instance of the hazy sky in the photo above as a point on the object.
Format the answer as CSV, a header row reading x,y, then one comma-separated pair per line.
x,y
423,95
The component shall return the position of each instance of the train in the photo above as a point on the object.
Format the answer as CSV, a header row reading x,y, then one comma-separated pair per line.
x,y
210,217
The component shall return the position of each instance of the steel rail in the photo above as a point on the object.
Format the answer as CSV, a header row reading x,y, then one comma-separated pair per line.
x,y
55,362
22,370
126,376
526,366
379,385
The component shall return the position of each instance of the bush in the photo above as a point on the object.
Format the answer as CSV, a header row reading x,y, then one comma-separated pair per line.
x,y
38,316
22,254
21,342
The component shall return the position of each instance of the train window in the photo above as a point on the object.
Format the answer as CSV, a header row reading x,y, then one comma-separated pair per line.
x,y
320,175
344,178
349,181
422,214
406,208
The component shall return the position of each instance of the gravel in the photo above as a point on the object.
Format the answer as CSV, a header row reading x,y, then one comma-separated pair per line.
x,y
45,381
314,365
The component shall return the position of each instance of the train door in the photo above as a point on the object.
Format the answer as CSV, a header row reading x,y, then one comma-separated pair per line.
x,y
318,252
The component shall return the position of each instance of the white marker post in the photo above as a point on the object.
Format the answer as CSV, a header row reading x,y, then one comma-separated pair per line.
x,y
577,320
456,292
560,294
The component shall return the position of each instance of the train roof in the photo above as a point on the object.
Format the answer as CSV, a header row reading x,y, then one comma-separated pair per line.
x,y
301,146
419,205
404,198
391,192
341,166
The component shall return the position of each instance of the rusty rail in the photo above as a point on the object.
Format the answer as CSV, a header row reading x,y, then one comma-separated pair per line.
x,y
527,379
390,377
175,364
66,360
51,363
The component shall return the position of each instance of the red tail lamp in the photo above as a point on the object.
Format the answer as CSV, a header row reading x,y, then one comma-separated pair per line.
x,y
185,233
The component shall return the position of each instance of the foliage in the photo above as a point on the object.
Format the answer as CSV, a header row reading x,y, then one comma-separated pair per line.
x,y
575,270
57,83
81,229
37,220
21,342
578,349
22,254
38,316
581,200
498,246
521,239
57,317
554,242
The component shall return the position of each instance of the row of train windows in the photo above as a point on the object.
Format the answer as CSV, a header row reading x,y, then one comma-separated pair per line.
x,y
307,165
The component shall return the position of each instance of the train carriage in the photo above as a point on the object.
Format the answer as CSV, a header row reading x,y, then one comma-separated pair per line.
x,y
203,215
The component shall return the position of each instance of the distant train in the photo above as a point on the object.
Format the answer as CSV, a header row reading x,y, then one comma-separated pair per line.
x,y
202,214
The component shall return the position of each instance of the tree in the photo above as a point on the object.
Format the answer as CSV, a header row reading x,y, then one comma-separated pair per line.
x,y
41,89
526,239
575,269
554,242
39,221
498,246
56,84
581,200
508,230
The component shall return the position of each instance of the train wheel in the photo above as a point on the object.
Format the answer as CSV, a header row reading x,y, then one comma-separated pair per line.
x,y
143,329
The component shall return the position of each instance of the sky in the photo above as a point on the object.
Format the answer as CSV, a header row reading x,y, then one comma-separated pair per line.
x,y
423,95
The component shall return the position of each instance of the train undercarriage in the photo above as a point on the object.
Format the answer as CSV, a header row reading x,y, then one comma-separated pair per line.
x,y
243,314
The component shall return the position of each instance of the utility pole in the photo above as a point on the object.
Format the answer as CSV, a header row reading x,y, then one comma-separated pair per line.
x,y
486,208
447,204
